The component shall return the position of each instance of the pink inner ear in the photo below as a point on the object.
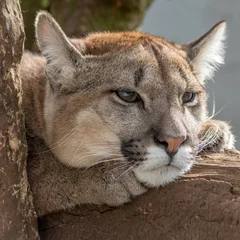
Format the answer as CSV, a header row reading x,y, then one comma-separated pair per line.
x,y
46,33
44,30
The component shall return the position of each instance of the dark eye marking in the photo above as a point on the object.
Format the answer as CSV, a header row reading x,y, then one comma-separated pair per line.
x,y
182,73
157,55
138,76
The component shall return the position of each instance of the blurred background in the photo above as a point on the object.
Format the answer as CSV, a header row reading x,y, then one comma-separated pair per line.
x,y
178,21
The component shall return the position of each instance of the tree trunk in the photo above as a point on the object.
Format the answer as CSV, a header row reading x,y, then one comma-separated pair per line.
x,y
203,205
18,219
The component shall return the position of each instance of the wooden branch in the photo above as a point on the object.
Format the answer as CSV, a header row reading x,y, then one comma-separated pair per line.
x,y
203,205
17,217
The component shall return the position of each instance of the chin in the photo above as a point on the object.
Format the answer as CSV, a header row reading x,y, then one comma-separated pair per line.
x,y
158,177
157,171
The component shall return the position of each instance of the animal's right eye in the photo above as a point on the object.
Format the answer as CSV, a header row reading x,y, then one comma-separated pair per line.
x,y
128,96
188,97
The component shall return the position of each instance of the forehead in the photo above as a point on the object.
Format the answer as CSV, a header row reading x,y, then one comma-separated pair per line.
x,y
141,57
104,42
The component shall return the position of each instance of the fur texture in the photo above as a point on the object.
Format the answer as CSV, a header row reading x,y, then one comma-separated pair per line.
x,y
87,144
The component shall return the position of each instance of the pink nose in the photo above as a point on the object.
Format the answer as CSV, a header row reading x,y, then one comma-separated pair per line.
x,y
172,144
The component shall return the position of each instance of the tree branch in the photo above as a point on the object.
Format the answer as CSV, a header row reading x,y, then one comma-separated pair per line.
x,y
203,205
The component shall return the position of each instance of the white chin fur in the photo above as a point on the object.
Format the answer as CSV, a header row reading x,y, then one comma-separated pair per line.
x,y
155,171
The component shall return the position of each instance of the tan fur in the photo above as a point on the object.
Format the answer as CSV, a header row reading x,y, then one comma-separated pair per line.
x,y
86,145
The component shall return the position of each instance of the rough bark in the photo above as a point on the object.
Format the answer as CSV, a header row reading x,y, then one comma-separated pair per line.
x,y
77,18
203,205
17,217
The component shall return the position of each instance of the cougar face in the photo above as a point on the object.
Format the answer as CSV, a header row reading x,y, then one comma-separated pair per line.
x,y
130,99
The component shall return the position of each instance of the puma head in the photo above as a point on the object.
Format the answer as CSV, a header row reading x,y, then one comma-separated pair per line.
x,y
129,98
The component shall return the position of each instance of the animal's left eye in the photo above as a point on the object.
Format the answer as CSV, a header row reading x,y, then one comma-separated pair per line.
x,y
128,96
188,97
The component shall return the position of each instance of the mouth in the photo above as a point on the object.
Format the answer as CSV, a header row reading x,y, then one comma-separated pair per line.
x,y
160,166
173,166
159,176
159,169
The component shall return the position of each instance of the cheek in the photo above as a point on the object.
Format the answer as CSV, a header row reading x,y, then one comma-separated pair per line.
x,y
200,112
89,142
193,122
126,122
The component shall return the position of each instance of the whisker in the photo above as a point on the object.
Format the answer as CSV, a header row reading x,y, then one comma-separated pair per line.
x,y
214,108
204,145
76,150
211,132
106,155
67,136
119,161
123,165
206,133
215,114
209,140
126,171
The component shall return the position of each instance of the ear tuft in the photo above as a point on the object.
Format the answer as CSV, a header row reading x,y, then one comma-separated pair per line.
x,y
207,53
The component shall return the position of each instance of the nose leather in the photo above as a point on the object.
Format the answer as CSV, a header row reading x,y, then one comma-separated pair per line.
x,y
173,144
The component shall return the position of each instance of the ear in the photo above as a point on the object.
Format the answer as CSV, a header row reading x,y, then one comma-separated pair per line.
x,y
62,56
206,54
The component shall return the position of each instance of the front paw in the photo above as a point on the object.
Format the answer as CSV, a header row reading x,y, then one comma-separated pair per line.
x,y
111,186
215,136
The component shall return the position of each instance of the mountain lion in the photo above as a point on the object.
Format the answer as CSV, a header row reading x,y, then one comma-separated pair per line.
x,y
112,114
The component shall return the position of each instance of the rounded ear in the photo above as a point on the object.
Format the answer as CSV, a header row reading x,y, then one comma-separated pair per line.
x,y
206,54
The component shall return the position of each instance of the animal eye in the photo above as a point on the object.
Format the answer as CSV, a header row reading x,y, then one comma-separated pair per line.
x,y
128,96
188,97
